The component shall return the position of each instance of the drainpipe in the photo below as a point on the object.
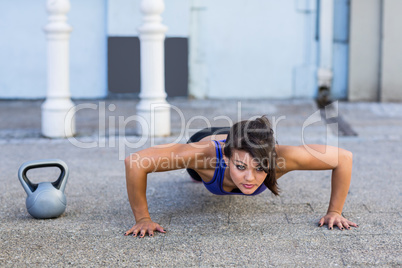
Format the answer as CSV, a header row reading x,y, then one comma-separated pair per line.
x,y
58,103
326,33
198,82
153,106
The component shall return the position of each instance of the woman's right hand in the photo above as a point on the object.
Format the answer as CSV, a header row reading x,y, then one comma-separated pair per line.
x,y
144,226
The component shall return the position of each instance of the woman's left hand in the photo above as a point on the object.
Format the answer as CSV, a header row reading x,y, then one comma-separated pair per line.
x,y
335,219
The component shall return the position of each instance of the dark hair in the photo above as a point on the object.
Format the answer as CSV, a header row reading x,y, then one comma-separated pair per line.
x,y
255,137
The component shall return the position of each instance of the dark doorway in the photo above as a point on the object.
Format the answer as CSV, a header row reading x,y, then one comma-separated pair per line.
x,y
124,66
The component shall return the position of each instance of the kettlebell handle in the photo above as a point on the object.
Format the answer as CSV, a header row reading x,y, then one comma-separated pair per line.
x,y
30,187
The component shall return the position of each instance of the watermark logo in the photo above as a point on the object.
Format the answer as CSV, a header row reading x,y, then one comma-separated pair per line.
x,y
329,153
112,129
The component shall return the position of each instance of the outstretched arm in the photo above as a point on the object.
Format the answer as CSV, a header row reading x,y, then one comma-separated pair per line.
x,y
340,182
136,181
139,165
321,157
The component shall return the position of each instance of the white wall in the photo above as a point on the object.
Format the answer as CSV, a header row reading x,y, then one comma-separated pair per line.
x,y
365,53
375,62
391,80
23,49
242,49
254,48
88,51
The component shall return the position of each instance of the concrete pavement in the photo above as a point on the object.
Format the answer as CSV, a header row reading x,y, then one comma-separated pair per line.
x,y
203,230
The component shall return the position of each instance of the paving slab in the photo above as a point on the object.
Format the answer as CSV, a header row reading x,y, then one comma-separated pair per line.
x,y
203,230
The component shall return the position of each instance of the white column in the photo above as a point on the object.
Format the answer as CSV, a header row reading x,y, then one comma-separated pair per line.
x,y
198,72
58,102
364,50
391,69
153,106
326,33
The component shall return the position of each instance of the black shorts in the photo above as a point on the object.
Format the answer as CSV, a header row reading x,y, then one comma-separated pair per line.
x,y
199,136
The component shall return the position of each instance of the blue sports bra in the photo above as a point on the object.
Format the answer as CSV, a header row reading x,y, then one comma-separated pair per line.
x,y
215,185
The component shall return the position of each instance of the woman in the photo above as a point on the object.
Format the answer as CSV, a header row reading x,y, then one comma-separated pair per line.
x,y
243,159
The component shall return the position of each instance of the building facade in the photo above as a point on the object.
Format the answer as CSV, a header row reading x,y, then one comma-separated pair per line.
x,y
213,49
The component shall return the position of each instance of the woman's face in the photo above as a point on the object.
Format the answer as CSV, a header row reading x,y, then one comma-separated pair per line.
x,y
245,172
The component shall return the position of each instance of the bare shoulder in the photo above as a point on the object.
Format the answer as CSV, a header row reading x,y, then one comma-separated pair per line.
x,y
288,152
310,156
187,150
286,155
